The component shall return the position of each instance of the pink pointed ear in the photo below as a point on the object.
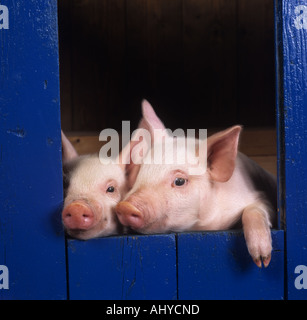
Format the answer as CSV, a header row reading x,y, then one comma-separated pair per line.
x,y
68,150
131,156
142,141
131,169
222,149
150,120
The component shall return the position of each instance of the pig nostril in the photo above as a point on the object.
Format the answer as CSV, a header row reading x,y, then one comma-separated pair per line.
x,y
78,216
87,216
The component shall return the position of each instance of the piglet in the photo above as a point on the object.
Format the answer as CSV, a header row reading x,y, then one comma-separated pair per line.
x,y
232,190
91,190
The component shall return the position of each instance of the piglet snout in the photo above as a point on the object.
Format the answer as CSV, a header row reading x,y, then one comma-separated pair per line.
x,y
129,215
78,215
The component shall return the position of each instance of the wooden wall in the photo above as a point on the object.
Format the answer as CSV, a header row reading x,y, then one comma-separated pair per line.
x,y
201,63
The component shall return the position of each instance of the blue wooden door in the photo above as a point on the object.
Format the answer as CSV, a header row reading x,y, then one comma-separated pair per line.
x,y
32,244
190,266
291,19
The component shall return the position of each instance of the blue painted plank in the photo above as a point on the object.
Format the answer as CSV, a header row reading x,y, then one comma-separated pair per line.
x,y
32,243
279,114
217,265
123,268
292,26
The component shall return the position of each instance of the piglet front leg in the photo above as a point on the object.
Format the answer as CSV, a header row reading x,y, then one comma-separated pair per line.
x,y
256,227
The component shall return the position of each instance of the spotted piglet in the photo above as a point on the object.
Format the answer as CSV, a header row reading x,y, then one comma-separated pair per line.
x,y
231,190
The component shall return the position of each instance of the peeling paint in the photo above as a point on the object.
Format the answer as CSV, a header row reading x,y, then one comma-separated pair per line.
x,y
18,132
49,141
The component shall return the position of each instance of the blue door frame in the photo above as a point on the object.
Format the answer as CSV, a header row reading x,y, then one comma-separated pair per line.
x,y
32,244
291,53
202,265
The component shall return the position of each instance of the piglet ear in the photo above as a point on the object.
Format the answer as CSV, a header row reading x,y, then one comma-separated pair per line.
x,y
125,158
68,151
149,129
222,149
150,120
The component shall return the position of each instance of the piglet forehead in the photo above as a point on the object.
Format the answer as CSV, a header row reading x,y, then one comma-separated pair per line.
x,y
90,171
188,153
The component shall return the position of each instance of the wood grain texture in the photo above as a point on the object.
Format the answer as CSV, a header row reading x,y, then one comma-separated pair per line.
x,y
201,63
209,49
32,243
201,265
255,36
123,268
293,127
217,265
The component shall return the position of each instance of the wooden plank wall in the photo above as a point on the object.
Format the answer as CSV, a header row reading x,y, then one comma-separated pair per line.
x,y
183,266
201,63
124,268
217,266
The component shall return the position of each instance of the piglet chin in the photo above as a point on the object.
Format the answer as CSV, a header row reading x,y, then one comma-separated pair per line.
x,y
95,232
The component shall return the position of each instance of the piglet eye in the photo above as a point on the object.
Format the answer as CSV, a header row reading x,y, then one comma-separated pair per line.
x,y
179,182
111,189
